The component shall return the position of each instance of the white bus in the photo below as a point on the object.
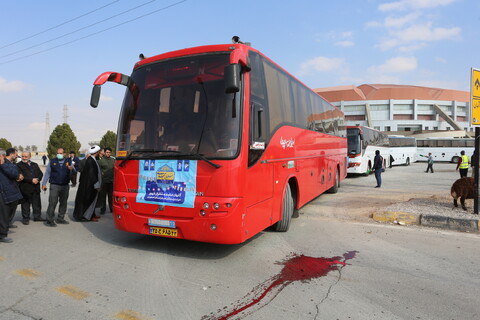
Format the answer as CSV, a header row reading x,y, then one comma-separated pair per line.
x,y
444,149
403,150
362,143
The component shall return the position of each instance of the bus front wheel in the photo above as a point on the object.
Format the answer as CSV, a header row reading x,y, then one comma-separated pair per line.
x,y
369,170
287,211
407,163
455,159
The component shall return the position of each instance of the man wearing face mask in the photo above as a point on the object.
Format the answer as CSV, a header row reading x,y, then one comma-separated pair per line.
x,y
9,192
30,188
58,174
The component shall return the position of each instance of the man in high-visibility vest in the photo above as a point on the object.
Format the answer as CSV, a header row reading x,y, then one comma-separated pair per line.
x,y
463,164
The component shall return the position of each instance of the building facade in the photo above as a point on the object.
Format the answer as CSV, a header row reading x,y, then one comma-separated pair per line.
x,y
397,108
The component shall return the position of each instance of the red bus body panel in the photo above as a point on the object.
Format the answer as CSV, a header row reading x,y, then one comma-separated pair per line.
x,y
250,198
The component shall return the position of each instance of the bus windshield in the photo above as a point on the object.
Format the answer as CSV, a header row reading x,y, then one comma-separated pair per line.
x,y
181,107
354,143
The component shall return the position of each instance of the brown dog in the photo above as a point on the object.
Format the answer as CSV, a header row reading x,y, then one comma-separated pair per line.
x,y
463,188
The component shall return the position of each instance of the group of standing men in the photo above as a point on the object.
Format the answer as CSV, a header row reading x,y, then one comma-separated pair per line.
x,y
22,183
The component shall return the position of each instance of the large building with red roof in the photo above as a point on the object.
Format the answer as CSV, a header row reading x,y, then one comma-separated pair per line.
x,y
389,107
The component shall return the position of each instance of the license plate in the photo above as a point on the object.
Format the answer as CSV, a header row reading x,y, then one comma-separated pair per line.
x,y
164,232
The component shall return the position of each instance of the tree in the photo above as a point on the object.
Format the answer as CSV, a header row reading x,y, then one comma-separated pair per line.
x,y
34,148
20,148
5,144
62,137
109,139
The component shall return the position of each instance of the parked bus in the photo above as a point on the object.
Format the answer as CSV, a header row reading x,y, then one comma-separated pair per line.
x,y
362,143
217,143
403,150
444,149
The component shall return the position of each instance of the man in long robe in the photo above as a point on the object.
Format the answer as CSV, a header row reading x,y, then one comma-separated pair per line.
x,y
88,189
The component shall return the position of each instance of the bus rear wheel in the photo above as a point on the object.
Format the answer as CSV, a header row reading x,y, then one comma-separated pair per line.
x,y
335,187
287,211
455,159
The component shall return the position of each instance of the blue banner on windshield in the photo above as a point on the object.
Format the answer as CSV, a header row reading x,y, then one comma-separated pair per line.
x,y
167,182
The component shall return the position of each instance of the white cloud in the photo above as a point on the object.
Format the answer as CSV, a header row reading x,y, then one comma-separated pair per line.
x,y
440,60
403,5
398,22
373,24
344,43
36,126
12,86
411,48
412,30
321,64
418,33
395,65
427,33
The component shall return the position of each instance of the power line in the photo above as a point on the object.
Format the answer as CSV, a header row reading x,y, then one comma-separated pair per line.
x,y
95,33
75,31
59,25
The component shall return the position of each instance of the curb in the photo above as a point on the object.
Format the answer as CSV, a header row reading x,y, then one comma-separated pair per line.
x,y
405,218
397,217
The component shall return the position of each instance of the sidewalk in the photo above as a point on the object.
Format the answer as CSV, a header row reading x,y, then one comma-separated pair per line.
x,y
408,196
434,212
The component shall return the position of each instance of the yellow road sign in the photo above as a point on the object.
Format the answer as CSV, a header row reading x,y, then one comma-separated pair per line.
x,y
475,111
475,83
475,96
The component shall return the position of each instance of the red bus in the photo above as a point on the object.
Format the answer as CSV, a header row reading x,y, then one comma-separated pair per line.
x,y
217,143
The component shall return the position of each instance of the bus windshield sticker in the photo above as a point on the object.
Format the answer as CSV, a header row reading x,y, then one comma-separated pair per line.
x,y
258,145
291,164
167,182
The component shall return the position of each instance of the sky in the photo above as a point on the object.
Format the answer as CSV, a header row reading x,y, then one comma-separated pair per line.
x,y
52,51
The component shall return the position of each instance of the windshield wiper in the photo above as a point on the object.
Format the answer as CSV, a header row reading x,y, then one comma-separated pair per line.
x,y
129,156
202,157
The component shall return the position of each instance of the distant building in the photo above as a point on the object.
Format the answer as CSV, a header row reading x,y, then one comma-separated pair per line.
x,y
402,108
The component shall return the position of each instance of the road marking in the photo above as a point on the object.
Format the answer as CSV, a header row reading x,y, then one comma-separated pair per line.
x,y
73,292
131,315
28,273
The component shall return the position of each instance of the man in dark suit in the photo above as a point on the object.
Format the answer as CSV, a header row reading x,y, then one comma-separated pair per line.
x,y
30,188
75,162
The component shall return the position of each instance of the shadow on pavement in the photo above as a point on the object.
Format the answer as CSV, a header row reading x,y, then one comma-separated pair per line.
x,y
105,230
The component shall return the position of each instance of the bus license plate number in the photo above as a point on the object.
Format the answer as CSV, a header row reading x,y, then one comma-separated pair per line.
x,y
164,232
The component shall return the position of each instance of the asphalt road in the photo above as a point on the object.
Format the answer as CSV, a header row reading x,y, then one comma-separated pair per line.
x,y
324,267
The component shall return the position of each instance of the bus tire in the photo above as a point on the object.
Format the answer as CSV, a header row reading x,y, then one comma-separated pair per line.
x,y
287,211
455,159
335,187
369,170
407,163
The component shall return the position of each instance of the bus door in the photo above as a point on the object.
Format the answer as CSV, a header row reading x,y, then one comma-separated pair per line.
x,y
259,178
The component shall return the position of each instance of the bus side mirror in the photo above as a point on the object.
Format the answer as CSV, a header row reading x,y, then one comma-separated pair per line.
x,y
95,96
232,78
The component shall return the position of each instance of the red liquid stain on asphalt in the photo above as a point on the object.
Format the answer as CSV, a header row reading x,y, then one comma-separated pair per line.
x,y
296,268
